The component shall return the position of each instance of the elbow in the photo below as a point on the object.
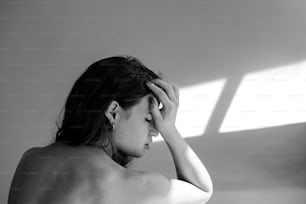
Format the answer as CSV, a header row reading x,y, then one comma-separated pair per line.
x,y
208,193
206,196
210,190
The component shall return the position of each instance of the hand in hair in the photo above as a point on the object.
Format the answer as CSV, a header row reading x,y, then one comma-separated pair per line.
x,y
168,94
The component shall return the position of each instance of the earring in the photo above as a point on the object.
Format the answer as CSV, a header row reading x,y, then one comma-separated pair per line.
x,y
113,127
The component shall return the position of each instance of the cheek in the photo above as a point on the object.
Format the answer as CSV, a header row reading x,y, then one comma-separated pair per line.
x,y
140,132
132,133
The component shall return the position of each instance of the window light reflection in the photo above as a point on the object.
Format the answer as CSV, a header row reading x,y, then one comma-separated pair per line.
x,y
196,106
268,98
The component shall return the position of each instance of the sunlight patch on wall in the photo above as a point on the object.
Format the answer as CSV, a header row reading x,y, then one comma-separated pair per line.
x,y
196,106
268,98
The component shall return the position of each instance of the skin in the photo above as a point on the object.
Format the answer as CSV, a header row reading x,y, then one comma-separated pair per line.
x,y
135,124
63,174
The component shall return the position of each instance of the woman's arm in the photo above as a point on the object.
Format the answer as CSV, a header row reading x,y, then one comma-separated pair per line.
x,y
189,167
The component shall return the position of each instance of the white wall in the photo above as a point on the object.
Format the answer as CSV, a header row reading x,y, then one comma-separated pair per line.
x,y
46,45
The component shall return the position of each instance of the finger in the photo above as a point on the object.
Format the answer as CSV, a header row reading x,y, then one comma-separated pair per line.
x,y
157,116
167,87
176,91
160,94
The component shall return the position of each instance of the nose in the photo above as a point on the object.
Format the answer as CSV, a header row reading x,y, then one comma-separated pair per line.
x,y
154,132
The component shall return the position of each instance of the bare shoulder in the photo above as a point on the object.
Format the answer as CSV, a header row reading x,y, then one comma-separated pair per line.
x,y
64,175
30,171
159,189
36,159
31,150
48,175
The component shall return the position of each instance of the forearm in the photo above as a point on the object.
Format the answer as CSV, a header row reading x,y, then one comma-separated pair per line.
x,y
188,166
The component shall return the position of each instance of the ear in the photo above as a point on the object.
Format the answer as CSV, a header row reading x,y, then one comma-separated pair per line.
x,y
112,111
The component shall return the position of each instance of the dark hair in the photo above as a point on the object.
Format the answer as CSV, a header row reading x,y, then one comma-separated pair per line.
x,y
119,78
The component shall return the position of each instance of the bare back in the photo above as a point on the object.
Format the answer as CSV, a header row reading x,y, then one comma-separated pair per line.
x,y
60,174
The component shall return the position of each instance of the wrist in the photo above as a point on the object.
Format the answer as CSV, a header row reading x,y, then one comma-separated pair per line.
x,y
170,134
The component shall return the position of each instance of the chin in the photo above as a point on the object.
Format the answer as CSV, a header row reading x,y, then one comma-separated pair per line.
x,y
136,154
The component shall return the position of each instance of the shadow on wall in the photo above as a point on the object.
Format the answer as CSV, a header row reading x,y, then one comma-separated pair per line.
x,y
261,99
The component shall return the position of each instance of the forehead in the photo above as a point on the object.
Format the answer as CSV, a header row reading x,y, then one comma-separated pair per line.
x,y
143,105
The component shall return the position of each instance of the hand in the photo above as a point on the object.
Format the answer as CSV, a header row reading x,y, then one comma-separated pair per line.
x,y
168,94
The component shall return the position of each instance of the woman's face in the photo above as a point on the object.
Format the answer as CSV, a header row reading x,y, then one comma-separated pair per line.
x,y
135,129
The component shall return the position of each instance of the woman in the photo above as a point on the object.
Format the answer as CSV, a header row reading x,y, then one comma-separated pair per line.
x,y
110,117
